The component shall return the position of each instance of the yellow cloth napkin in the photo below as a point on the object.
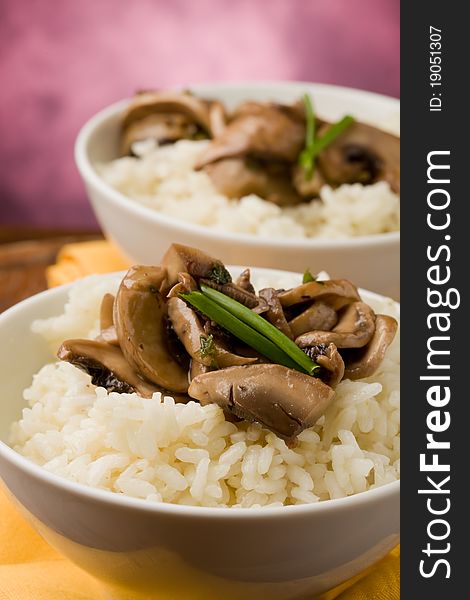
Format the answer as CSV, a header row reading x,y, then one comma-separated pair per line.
x,y
85,258
31,570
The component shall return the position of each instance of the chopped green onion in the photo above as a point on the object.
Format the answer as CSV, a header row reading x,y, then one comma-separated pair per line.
x,y
313,145
207,345
207,349
306,158
239,329
266,329
308,277
332,133
220,275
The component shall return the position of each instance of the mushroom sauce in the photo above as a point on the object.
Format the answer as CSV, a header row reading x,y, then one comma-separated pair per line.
x,y
274,357
259,147
264,168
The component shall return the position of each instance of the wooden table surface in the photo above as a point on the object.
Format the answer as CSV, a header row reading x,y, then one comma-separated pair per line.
x,y
23,261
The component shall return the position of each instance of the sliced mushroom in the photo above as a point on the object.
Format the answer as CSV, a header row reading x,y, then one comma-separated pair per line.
x,y
217,118
355,329
139,312
197,368
107,366
107,329
281,399
307,187
174,344
236,292
106,312
330,361
363,154
263,130
364,362
189,329
211,328
241,176
334,292
185,285
295,111
275,313
317,316
191,333
149,103
244,281
184,259
164,128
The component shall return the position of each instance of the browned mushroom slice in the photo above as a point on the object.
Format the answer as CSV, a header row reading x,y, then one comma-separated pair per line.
x,y
185,285
184,259
244,281
269,131
362,154
106,312
355,329
275,313
174,345
334,292
211,328
217,118
107,366
281,399
197,368
107,329
294,111
139,312
239,294
148,103
317,316
364,362
330,361
238,177
165,128
191,333
307,187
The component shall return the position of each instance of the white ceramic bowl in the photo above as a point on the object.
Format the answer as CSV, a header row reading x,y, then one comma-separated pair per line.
x,y
183,552
144,234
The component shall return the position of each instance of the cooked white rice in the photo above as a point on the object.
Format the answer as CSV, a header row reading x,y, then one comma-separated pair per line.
x,y
163,178
188,454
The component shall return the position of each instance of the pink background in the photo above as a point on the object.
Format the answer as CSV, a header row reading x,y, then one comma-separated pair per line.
x,y
62,60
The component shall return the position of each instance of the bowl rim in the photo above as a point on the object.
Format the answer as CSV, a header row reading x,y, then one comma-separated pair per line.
x,y
91,177
120,500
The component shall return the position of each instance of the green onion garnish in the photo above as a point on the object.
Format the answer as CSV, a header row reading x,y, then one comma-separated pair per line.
x,y
308,277
207,347
332,133
313,145
220,275
307,157
239,329
260,325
